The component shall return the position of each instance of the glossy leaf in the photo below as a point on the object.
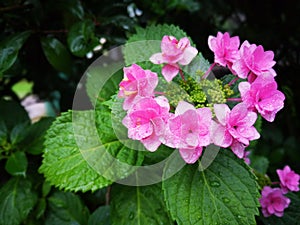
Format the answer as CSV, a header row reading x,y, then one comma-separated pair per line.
x,y
224,193
81,38
138,205
66,208
57,54
16,164
16,201
9,49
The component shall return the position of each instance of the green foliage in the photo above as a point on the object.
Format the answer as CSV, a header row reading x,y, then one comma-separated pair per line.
x,y
9,49
138,205
57,54
224,193
16,201
81,38
66,208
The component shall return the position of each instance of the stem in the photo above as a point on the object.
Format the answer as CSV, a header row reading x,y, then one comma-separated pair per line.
x,y
234,99
107,195
233,81
209,70
181,74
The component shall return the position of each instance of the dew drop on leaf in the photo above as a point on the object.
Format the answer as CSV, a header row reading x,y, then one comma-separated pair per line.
x,y
215,184
226,200
131,215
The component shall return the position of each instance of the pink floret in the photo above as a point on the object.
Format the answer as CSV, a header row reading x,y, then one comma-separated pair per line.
x,y
289,180
174,53
273,202
262,96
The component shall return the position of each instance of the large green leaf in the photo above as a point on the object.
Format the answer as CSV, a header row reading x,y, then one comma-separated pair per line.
x,y
16,201
138,205
66,208
9,49
77,151
57,54
63,164
224,193
146,42
291,214
81,38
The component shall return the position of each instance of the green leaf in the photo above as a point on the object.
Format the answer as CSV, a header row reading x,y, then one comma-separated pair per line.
x,y
138,205
17,164
146,42
74,7
291,214
76,159
33,136
63,164
81,38
57,54
100,216
9,49
224,193
16,201
40,208
66,208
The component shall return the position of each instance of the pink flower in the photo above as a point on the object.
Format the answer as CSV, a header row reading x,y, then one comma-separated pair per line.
x,y
289,180
173,52
254,60
262,95
189,130
136,83
272,202
234,128
225,48
146,121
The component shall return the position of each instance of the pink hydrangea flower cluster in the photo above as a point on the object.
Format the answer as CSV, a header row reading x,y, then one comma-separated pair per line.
x,y
273,201
253,63
150,120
